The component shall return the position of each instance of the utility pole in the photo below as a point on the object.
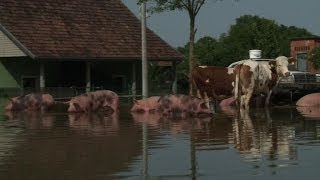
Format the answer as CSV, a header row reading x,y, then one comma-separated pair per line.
x,y
144,51
144,89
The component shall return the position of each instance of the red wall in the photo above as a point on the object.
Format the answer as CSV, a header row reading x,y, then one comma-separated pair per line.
x,y
305,46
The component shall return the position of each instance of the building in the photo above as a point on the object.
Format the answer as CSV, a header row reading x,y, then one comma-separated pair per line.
x,y
301,49
52,45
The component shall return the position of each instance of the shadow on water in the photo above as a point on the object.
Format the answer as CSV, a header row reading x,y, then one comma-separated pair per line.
x,y
95,146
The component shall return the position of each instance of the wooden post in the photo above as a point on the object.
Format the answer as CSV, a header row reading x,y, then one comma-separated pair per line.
x,y
144,52
175,80
88,76
42,77
134,82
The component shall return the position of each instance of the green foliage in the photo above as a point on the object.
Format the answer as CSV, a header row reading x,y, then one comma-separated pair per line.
x,y
249,32
315,57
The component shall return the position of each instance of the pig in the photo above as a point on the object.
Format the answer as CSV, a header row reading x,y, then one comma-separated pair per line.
x,y
228,102
309,111
309,100
183,105
30,102
149,104
102,100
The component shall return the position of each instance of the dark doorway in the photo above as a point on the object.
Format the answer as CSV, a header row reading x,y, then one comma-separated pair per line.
x,y
118,83
29,84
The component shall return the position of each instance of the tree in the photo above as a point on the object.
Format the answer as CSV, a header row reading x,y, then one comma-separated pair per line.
x,y
315,57
254,32
192,7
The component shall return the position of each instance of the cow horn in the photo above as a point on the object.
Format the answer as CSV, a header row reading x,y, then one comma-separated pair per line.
x,y
291,60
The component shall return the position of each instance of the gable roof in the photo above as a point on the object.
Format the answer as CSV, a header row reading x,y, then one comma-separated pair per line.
x,y
79,29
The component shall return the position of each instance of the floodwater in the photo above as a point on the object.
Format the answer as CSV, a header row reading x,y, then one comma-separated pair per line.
x,y
279,143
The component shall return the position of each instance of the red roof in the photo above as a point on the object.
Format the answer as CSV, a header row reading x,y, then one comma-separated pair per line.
x,y
79,29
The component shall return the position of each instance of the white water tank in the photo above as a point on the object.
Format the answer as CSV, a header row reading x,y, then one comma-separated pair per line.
x,y
254,54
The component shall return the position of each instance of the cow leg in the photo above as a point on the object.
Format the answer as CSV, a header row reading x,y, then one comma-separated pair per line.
x,y
206,99
266,104
199,94
247,99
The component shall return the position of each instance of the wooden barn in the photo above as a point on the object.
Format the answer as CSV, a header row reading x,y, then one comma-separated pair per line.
x,y
66,47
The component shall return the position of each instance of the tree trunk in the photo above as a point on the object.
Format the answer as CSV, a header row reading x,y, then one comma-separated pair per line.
x,y
191,52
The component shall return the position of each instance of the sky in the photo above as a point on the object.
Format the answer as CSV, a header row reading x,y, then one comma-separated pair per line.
x,y
216,18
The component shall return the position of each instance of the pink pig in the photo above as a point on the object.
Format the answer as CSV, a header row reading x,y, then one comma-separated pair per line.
x,y
30,102
184,105
309,100
103,100
149,104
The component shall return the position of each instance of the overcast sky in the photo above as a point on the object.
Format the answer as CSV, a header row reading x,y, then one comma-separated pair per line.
x,y
216,17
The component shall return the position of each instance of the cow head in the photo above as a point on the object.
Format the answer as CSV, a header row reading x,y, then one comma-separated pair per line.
x,y
281,65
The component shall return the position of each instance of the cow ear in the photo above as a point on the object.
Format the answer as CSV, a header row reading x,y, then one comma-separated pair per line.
x,y
272,63
291,60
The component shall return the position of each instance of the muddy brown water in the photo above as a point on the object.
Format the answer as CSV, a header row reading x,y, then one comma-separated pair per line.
x,y
277,144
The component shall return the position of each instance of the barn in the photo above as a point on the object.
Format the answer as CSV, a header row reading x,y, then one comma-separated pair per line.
x,y
66,47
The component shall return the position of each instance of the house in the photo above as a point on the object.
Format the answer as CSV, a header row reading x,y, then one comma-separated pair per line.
x,y
301,49
52,45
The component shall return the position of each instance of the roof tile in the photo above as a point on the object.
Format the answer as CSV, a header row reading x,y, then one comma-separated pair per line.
x,y
94,29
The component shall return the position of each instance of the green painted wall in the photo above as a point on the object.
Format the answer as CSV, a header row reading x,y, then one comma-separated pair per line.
x,y
18,68
6,79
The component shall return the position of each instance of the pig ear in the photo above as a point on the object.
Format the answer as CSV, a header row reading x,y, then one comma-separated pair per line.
x,y
77,106
135,101
203,105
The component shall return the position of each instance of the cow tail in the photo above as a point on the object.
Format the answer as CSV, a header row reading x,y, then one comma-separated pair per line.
x,y
236,87
237,91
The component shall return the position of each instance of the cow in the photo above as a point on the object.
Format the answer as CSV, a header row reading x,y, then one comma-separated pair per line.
x,y
213,82
253,78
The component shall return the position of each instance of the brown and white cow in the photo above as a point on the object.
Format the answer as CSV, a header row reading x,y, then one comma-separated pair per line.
x,y
256,77
213,82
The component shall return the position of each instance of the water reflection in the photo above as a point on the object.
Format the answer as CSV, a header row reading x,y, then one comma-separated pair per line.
x,y
31,119
96,123
175,125
96,146
263,138
74,146
255,136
